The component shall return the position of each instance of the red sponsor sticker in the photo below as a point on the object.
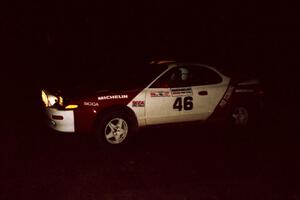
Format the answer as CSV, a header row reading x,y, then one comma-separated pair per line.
x,y
138,103
160,94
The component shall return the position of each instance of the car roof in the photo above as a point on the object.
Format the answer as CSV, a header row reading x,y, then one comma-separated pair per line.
x,y
160,62
174,63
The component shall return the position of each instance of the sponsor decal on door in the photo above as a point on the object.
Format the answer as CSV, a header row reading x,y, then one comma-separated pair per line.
x,y
160,94
138,103
179,92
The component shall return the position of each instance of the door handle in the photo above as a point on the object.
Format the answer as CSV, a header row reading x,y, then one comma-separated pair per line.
x,y
202,93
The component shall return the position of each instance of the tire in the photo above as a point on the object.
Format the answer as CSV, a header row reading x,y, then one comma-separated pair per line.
x,y
240,116
250,128
116,127
245,116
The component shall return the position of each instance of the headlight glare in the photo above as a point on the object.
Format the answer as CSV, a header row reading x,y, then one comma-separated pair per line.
x,y
45,98
51,100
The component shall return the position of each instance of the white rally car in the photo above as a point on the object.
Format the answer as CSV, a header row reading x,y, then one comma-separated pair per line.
x,y
172,92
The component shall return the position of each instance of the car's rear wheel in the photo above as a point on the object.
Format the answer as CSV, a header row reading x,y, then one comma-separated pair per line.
x,y
116,128
244,115
240,116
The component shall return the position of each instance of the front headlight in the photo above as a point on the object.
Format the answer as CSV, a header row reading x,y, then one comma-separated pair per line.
x,y
51,100
44,98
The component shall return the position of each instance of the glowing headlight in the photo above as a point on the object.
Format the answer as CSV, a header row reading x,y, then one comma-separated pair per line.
x,y
44,98
50,100
60,101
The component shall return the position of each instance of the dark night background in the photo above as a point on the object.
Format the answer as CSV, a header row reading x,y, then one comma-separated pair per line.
x,y
58,41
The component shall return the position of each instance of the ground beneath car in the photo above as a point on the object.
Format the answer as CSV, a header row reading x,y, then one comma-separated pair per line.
x,y
182,162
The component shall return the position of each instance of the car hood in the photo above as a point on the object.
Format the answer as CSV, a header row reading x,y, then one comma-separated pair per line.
x,y
73,92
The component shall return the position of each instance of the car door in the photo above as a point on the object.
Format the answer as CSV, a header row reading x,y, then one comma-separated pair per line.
x,y
172,99
209,86
185,93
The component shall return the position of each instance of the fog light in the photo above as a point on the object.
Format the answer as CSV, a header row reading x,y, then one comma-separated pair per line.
x,y
52,123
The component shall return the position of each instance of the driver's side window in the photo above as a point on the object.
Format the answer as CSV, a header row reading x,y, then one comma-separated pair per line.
x,y
176,77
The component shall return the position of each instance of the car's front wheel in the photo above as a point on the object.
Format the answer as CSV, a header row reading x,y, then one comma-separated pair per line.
x,y
116,127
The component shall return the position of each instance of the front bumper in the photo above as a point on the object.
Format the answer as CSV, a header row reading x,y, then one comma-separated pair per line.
x,y
60,120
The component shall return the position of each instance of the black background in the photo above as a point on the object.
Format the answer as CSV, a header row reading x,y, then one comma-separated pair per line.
x,y
43,37
59,41
53,41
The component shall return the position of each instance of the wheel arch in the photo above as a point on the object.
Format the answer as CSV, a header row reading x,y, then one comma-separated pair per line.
x,y
250,100
122,108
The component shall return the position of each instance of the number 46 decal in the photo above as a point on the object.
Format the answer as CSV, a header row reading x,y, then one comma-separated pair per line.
x,y
187,103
